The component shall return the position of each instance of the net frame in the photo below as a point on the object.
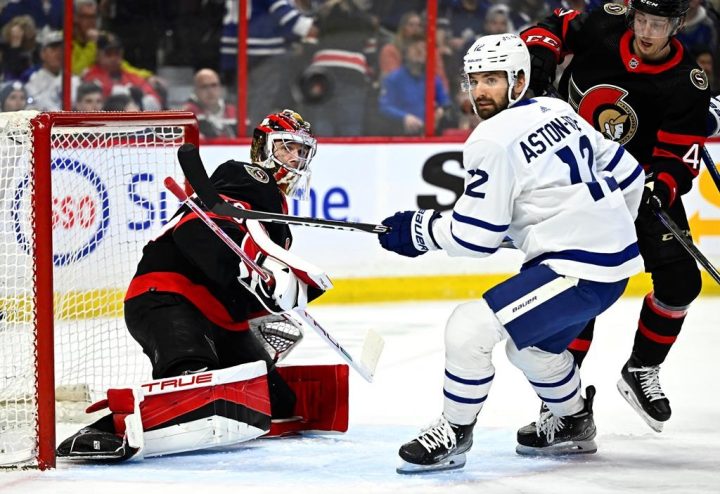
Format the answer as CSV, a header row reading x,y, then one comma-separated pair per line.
x,y
42,127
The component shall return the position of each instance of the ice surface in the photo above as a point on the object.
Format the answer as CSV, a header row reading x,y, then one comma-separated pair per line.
x,y
407,394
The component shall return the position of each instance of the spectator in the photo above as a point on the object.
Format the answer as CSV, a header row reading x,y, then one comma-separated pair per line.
x,y
699,30
466,20
85,35
348,34
13,97
497,20
524,13
18,46
45,13
402,98
216,119
390,57
108,72
89,97
120,102
391,12
45,84
272,26
706,60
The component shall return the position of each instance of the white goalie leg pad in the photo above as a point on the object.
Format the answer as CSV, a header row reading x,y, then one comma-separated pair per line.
x,y
554,377
197,411
471,333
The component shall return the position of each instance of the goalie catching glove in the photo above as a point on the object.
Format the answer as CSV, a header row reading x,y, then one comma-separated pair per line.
x,y
286,293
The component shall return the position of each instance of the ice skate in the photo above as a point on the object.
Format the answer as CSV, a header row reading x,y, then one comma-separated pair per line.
x,y
441,446
90,443
640,386
552,435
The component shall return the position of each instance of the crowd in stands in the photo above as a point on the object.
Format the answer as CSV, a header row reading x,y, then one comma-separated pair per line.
x,y
354,67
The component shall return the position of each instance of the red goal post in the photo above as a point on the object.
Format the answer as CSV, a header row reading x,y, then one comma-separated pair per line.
x,y
80,195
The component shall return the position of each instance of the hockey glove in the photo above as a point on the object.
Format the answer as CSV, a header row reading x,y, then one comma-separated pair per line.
x,y
411,232
287,293
543,64
659,192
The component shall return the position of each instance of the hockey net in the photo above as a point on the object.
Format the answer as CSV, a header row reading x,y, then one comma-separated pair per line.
x,y
80,195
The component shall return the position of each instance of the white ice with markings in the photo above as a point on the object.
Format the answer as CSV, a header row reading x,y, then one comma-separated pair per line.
x,y
407,395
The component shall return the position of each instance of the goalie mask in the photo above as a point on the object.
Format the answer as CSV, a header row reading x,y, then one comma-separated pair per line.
x,y
656,18
283,144
497,52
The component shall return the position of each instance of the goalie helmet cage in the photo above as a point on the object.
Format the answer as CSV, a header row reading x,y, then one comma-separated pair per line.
x,y
80,195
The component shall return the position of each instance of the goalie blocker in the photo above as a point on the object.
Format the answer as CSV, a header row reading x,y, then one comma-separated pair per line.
x,y
208,409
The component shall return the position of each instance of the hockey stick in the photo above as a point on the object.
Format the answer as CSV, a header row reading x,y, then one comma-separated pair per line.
x,y
710,164
194,170
373,344
689,246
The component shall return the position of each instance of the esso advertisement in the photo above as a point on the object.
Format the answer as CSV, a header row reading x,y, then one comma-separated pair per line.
x,y
106,205
80,211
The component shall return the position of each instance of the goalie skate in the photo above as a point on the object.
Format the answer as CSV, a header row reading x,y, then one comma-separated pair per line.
x,y
441,446
93,444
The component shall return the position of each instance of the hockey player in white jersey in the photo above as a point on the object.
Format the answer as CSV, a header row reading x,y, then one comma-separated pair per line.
x,y
538,173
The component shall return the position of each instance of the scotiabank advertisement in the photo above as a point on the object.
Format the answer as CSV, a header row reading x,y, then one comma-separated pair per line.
x,y
368,182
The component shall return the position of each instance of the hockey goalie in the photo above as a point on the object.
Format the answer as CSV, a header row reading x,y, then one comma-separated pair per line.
x,y
214,331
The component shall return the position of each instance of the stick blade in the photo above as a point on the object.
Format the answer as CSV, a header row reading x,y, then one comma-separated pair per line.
x,y
195,173
372,349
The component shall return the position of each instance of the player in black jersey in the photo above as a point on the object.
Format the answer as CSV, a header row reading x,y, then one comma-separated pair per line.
x,y
185,305
631,79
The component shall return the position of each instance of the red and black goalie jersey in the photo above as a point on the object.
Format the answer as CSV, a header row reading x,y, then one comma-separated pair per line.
x,y
657,111
190,260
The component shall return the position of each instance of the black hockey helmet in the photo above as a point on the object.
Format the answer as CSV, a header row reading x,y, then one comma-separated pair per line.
x,y
661,8
284,144
672,10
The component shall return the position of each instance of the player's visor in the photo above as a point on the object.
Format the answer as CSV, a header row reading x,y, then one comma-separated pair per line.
x,y
652,26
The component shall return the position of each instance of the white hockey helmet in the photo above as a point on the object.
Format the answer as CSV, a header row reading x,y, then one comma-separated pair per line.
x,y
498,52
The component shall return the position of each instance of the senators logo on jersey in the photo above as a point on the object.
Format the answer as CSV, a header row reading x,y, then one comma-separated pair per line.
x,y
605,107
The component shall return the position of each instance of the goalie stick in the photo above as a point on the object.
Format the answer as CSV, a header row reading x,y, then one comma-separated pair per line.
x,y
373,344
194,170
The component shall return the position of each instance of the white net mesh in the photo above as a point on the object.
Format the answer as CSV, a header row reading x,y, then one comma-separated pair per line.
x,y
108,200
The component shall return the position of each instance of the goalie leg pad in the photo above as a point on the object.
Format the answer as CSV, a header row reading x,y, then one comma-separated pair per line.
x,y
205,410
178,414
322,399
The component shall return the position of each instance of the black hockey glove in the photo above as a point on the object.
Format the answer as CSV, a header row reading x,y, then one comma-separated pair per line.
x,y
542,69
410,233
657,193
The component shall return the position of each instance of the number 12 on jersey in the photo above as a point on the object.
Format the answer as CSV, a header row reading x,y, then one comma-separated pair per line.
x,y
568,157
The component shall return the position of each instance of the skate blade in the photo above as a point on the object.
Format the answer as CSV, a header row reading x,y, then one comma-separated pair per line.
x,y
560,449
450,463
629,396
110,456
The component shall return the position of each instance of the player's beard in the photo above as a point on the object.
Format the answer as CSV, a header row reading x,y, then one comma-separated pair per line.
x,y
491,107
